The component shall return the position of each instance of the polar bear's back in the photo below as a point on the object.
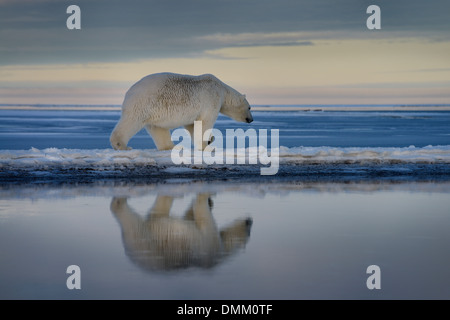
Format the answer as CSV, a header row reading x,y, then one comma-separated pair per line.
x,y
161,96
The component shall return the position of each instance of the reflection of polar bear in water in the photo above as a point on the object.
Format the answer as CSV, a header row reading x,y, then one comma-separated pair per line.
x,y
164,101
161,242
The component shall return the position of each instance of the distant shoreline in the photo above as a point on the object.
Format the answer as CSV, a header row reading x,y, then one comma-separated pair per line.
x,y
306,108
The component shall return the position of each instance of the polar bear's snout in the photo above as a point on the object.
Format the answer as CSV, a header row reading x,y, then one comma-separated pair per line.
x,y
247,112
249,117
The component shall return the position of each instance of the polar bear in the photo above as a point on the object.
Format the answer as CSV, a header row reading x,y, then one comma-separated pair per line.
x,y
162,241
163,101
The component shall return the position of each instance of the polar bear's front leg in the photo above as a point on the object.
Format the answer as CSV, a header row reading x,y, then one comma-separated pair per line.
x,y
190,129
207,124
161,137
202,213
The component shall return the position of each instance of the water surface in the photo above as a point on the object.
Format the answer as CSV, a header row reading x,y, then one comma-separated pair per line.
x,y
218,240
24,129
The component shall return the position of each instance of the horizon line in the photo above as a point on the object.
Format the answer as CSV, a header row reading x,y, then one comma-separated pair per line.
x,y
259,107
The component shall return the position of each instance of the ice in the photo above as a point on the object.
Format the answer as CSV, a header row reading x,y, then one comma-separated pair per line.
x,y
74,157
182,188
106,158
411,154
72,142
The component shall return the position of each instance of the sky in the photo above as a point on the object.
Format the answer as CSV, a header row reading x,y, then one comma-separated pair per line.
x,y
276,52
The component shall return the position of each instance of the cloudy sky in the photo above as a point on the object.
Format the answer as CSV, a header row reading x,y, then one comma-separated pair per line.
x,y
276,52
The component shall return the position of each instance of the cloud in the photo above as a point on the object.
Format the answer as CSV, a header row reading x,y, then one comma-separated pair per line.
x,y
430,70
35,31
255,39
259,45
337,95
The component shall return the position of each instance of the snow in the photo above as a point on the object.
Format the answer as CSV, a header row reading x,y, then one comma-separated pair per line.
x,y
71,144
107,158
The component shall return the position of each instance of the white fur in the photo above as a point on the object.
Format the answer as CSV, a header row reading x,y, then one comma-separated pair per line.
x,y
164,101
162,241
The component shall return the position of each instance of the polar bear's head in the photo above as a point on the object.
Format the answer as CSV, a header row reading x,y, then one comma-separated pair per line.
x,y
237,108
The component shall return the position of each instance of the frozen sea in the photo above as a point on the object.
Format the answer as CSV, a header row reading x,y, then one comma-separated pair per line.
x,y
355,187
90,129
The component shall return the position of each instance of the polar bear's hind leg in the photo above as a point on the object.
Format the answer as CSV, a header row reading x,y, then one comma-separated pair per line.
x,y
125,129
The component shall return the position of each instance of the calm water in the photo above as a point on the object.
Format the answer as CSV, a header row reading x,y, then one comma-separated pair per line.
x,y
226,240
